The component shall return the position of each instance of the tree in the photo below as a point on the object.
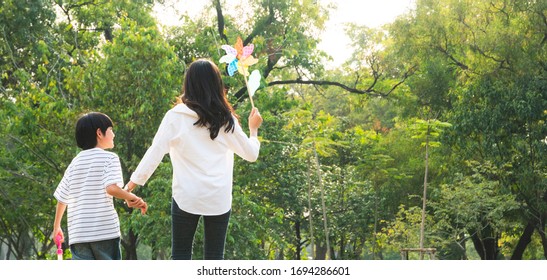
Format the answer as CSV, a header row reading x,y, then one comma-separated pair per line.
x,y
486,211
427,130
495,94
47,81
35,119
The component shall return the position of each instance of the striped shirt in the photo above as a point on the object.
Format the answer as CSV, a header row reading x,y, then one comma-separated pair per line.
x,y
90,209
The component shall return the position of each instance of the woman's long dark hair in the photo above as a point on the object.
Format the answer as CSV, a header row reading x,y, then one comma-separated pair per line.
x,y
203,92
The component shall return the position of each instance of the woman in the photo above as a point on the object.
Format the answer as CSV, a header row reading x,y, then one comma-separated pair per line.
x,y
201,134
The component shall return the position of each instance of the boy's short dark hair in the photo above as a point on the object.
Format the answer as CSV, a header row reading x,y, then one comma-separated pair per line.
x,y
86,129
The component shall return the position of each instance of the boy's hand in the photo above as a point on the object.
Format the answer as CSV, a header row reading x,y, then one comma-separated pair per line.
x,y
138,202
144,208
58,231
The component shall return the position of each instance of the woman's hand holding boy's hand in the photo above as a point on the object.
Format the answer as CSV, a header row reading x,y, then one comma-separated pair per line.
x,y
130,186
135,201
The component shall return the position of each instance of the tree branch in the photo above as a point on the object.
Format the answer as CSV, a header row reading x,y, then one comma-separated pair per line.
x,y
44,159
542,15
261,25
458,63
79,5
369,91
220,21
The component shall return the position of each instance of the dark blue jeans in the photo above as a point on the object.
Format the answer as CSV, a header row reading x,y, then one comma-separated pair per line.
x,y
184,225
98,250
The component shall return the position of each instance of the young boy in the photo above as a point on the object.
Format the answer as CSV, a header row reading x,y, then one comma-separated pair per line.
x,y
90,181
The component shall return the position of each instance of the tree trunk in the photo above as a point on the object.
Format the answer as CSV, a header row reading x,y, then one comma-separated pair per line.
x,y
320,252
324,208
375,233
281,255
524,240
129,243
342,246
541,231
424,199
462,246
332,255
486,243
298,240
541,228
380,255
310,217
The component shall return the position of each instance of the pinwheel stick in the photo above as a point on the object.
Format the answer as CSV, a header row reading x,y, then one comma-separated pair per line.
x,y
249,92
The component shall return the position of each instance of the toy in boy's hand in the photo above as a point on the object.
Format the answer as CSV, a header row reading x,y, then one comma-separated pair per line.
x,y
239,58
59,247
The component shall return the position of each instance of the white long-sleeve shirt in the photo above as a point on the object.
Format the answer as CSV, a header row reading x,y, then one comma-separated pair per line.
x,y
202,168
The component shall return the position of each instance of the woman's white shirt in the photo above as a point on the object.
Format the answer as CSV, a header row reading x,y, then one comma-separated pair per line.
x,y
202,168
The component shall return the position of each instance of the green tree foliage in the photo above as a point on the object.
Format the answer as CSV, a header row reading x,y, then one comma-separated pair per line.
x,y
341,167
52,72
35,121
491,90
487,208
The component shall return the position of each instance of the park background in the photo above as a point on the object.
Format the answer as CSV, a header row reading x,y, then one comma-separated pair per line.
x,y
447,102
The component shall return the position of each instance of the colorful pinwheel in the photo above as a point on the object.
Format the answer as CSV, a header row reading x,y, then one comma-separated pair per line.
x,y
239,58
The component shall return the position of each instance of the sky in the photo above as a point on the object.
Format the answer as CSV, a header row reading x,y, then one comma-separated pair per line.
x,y
372,13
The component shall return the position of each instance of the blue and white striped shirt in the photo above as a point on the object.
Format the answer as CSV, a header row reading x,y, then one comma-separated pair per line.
x,y
90,209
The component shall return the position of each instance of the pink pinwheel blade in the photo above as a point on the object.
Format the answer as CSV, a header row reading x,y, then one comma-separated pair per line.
x,y
247,50
229,50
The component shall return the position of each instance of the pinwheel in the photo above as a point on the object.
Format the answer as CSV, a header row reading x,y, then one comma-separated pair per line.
x,y
238,59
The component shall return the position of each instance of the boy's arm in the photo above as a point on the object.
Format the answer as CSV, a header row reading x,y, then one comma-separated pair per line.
x,y
59,212
117,192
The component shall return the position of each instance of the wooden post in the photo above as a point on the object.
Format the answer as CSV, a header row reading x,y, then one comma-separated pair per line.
x,y
429,251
